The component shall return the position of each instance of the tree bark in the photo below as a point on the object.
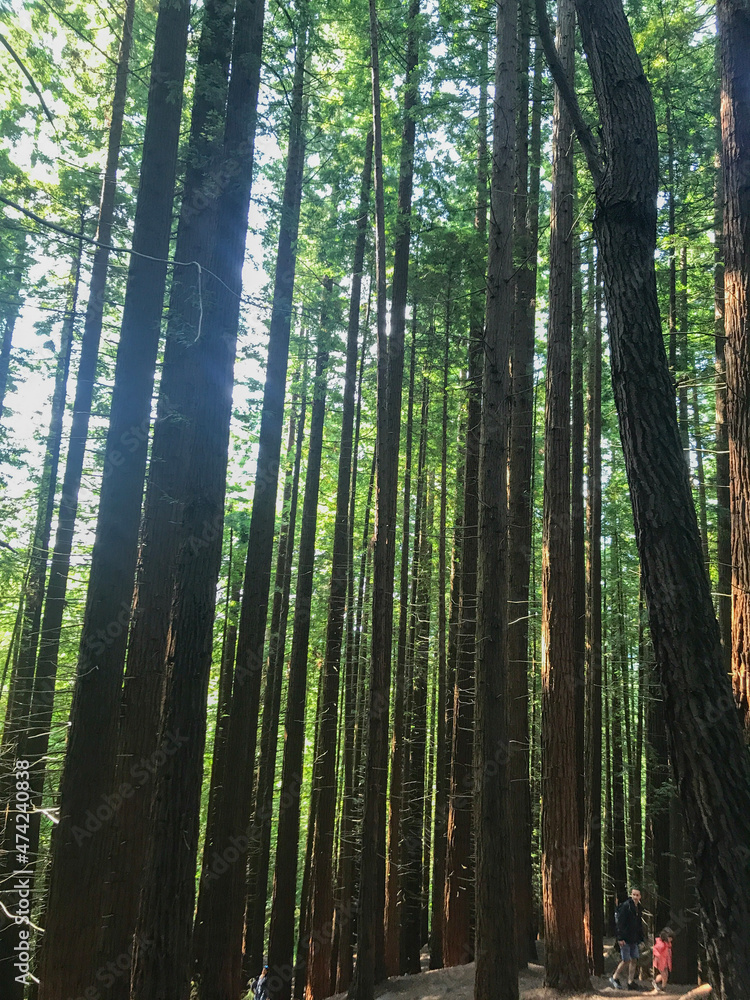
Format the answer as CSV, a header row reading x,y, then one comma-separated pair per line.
x,y
370,923
495,946
723,520
393,875
79,857
20,840
226,903
442,754
566,966
734,34
702,728
526,224
592,833
281,934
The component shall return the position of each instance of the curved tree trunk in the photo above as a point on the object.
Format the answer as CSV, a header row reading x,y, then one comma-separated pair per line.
x,y
706,747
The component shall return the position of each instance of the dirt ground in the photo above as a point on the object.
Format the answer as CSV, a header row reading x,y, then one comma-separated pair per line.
x,y
458,984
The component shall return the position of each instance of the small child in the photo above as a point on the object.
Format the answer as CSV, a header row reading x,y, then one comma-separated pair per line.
x,y
662,959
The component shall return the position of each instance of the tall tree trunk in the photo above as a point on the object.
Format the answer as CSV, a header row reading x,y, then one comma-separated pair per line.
x,y
198,385
416,726
393,875
224,699
657,800
723,521
459,875
54,608
259,850
164,508
281,935
324,776
734,34
442,757
566,965
10,318
17,859
345,966
495,946
592,832
80,860
578,531
370,915
457,936
526,225
225,903
619,867
345,867
705,740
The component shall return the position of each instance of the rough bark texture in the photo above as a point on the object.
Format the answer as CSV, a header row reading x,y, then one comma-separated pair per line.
x,y
592,832
202,375
562,887
495,945
526,225
734,33
442,753
705,739
370,914
395,791
723,521
80,863
222,969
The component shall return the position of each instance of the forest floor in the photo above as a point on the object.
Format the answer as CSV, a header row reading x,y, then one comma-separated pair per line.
x,y
458,984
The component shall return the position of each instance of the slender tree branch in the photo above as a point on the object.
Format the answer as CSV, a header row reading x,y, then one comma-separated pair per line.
x,y
583,132
30,78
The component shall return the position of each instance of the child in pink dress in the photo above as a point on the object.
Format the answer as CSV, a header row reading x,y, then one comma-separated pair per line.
x,y
662,959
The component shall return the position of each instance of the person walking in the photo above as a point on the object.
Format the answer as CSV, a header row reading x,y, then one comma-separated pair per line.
x,y
629,926
662,959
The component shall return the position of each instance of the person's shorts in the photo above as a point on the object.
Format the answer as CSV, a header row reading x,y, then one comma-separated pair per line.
x,y
628,952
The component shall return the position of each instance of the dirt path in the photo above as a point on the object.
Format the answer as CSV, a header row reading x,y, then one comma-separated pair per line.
x,y
458,984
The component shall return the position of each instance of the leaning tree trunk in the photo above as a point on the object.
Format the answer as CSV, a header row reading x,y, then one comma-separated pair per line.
x,y
495,944
80,858
706,744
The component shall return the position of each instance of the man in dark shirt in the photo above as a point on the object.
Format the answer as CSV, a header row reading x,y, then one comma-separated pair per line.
x,y
629,937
